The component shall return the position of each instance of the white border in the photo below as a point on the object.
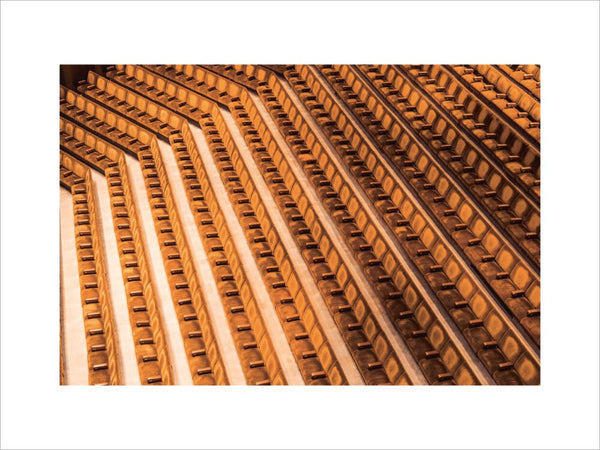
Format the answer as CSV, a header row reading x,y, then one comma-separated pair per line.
x,y
37,37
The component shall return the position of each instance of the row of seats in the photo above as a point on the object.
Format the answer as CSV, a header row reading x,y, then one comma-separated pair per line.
x,y
458,97
259,364
69,170
157,119
121,132
255,351
503,93
420,252
102,353
293,323
517,162
364,238
189,83
332,291
527,75
148,334
73,140
513,278
204,219
362,334
200,344
196,78
200,81
248,76
429,255
67,177
186,102
253,362
431,245
149,342
513,212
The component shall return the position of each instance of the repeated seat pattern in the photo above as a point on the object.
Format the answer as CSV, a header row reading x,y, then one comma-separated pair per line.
x,y
426,145
203,354
255,350
427,250
189,93
293,323
246,324
527,75
102,352
276,181
459,98
174,238
503,95
410,192
330,284
121,132
356,151
148,337
152,116
380,266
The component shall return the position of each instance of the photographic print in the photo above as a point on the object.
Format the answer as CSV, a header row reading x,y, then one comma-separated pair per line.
x,y
300,224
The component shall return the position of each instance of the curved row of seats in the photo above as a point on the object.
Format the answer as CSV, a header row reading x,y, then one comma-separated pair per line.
x,y
102,352
70,167
73,140
246,75
515,215
200,81
324,109
501,92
